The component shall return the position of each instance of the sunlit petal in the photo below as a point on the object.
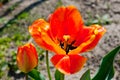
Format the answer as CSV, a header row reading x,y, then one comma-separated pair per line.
x,y
92,40
39,31
65,21
84,34
99,32
68,64
81,46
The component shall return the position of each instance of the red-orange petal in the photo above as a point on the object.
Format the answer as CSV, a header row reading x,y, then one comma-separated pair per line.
x,y
27,58
39,31
91,42
84,34
99,32
65,21
68,64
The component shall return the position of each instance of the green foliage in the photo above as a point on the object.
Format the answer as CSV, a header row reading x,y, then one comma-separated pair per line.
x,y
12,7
3,64
5,40
59,75
36,75
24,15
2,20
106,70
101,20
59,3
86,76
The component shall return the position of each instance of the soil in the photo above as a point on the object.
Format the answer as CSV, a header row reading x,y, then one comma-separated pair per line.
x,y
95,7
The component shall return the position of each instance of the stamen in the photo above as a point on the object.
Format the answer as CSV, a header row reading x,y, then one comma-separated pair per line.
x,y
96,31
66,38
39,29
46,27
97,27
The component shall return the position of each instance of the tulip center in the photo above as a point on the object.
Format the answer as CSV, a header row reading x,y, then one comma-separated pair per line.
x,y
66,38
66,45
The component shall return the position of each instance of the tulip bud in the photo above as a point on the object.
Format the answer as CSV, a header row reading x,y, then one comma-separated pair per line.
x,y
27,57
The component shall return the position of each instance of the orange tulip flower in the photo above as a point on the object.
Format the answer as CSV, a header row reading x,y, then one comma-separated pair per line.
x,y
27,58
66,36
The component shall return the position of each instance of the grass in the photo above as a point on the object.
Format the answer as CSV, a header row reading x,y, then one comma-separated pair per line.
x,y
13,35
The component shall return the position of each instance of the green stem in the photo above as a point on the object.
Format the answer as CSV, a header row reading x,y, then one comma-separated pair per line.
x,y
48,68
59,75
62,76
26,76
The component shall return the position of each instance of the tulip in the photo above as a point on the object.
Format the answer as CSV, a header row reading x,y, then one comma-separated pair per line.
x,y
27,57
66,35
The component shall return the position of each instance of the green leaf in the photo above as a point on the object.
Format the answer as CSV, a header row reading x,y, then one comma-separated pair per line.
x,y
86,75
106,70
36,75
59,75
111,73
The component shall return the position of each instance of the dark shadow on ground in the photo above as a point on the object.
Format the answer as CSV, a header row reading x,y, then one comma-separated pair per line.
x,y
12,73
9,9
27,9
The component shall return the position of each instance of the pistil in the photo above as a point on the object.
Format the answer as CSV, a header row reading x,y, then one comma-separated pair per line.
x,y
66,38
